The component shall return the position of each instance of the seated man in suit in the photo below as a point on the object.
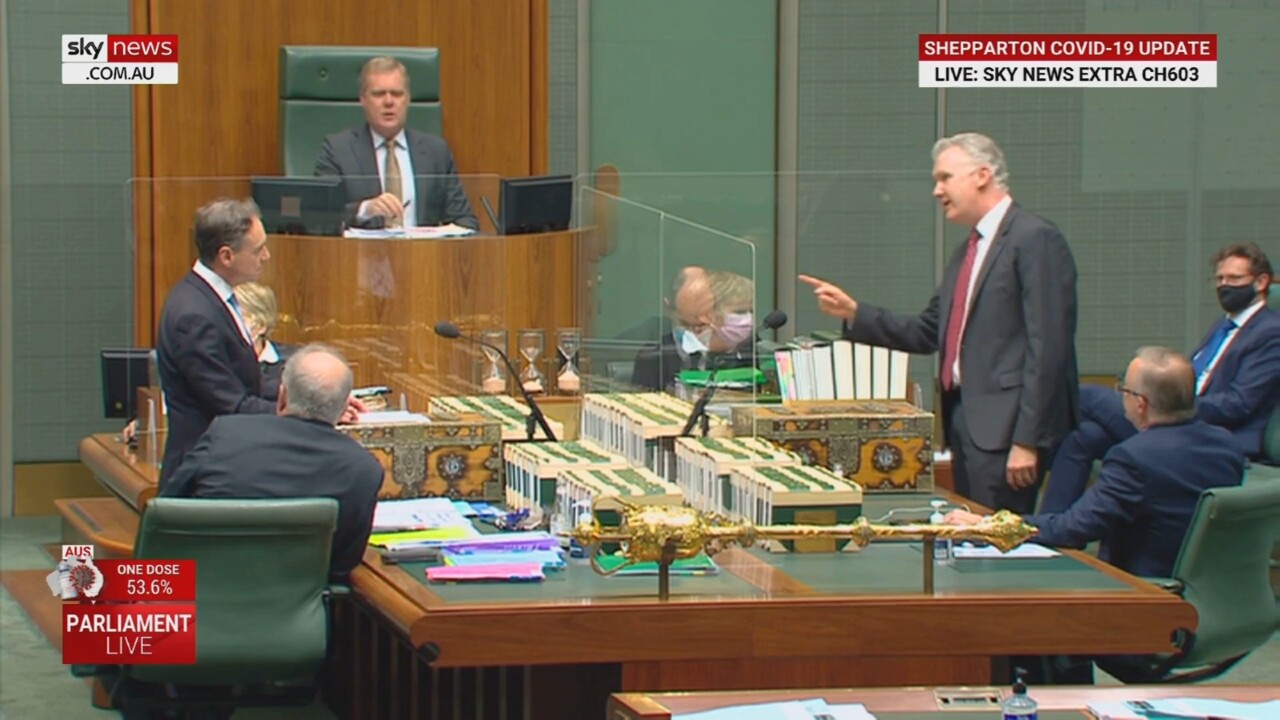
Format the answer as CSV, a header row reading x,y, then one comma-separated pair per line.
x,y
296,453
1237,368
416,183
1148,487
711,317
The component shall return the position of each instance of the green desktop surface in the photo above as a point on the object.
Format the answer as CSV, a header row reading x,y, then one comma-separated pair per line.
x,y
889,568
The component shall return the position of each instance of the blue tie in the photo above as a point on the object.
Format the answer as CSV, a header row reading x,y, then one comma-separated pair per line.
x,y
235,305
1211,348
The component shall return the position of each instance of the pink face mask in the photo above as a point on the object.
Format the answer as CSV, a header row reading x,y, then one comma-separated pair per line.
x,y
737,329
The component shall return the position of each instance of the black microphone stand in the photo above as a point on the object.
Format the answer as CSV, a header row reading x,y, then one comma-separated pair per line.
x,y
699,412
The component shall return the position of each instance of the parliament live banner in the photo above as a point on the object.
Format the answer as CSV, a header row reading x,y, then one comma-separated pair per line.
x,y
1069,61
125,612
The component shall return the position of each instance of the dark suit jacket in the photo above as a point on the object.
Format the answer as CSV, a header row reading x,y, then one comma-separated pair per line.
x,y
439,196
1147,489
270,456
1018,369
206,367
1244,386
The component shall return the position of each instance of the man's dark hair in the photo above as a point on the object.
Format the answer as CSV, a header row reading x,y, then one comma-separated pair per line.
x,y
1258,262
223,223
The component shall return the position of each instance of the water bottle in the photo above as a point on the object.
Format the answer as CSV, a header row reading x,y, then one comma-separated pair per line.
x,y
1019,705
942,551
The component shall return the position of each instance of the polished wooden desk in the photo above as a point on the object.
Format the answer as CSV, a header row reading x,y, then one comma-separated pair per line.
x,y
560,648
902,703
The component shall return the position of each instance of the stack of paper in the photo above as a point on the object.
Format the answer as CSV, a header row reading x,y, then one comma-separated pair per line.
x,y
1188,708
815,709
414,233
417,514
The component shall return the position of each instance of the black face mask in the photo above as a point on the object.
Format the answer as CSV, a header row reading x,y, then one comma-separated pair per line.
x,y
1234,298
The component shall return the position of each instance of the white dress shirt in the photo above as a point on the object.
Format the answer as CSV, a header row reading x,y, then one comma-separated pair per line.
x,y
987,228
1239,319
223,289
408,191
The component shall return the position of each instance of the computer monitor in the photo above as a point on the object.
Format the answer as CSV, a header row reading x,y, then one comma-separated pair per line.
x,y
300,205
535,204
124,370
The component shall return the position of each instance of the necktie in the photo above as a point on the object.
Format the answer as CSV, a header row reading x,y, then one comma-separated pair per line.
x,y
1202,359
393,183
242,324
955,320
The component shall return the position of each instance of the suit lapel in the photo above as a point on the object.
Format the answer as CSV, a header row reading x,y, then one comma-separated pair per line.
x,y
220,308
366,158
421,170
997,246
1238,342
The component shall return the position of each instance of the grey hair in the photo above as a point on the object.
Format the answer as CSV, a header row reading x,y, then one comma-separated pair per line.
x,y
1168,382
981,149
316,395
380,65
223,223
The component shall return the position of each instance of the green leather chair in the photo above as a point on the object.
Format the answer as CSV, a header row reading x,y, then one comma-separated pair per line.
x,y
320,94
1223,571
262,589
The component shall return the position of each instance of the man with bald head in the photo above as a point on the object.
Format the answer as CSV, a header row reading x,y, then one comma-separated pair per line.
x,y
298,452
1148,486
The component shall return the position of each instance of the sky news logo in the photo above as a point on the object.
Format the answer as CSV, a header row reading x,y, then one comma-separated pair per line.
x,y
119,59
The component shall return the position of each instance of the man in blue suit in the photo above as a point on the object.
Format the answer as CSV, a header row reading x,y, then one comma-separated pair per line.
x,y
1141,505
1237,369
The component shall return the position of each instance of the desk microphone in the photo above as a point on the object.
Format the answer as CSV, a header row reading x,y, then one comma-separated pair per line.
x,y
449,331
497,229
772,321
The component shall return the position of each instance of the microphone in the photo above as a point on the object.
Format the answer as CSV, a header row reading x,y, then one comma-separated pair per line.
x,y
772,321
488,209
449,331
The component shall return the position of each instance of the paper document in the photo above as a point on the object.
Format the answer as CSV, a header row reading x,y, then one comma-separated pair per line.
x,y
396,539
1029,550
417,514
814,709
1191,708
384,417
413,233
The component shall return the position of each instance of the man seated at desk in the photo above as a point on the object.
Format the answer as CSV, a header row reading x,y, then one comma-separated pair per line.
x,y
1147,490
414,184
296,453
712,318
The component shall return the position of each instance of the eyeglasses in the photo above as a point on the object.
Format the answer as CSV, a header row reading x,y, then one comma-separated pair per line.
x,y
1120,388
1233,279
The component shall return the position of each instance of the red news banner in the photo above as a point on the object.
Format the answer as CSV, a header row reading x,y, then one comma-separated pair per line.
x,y
142,612
1077,61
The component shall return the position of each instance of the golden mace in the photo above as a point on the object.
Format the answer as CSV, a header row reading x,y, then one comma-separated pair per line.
x,y
666,533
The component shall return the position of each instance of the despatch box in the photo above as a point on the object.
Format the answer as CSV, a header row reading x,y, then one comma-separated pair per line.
x,y
883,445
457,456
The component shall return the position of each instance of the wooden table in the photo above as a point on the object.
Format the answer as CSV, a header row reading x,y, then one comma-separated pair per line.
x,y
559,649
902,703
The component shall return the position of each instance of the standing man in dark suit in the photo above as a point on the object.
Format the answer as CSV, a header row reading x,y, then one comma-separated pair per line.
x,y
207,363
1004,320
296,453
394,176
1237,367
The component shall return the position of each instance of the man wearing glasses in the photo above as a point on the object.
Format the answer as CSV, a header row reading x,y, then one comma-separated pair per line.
x,y
1237,378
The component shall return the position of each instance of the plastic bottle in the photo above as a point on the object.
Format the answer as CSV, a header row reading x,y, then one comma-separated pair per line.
x,y
942,550
1019,705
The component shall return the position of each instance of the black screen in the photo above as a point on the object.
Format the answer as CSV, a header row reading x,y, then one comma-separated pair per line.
x,y
124,370
535,204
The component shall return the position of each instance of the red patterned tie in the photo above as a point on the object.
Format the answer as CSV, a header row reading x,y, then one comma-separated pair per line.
x,y
955,321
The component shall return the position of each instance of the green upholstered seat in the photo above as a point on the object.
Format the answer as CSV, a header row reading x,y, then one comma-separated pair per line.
x,y
320,95
1223,571
262,570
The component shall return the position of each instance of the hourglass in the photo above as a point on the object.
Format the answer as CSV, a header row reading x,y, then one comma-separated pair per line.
x,y
494,375
531,344
568,341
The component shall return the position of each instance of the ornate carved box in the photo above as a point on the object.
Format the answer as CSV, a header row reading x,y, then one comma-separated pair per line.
x,y
883,445
456,457
642,427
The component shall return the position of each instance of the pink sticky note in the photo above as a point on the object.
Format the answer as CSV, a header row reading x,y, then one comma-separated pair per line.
x,y
504,572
